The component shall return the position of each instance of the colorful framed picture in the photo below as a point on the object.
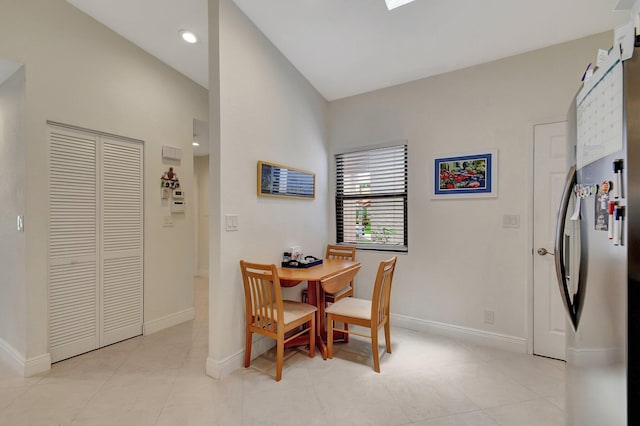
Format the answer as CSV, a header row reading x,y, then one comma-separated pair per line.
x,y
466,175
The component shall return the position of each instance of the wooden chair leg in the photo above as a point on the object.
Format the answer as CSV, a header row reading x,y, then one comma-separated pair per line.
x,y
346,335
312,336
247,349
374,349
330,336
387,335
279,358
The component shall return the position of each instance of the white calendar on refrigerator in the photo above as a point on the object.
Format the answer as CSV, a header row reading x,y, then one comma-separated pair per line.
x,y
600,113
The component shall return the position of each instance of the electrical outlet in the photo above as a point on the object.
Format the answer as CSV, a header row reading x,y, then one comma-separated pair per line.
x,y
488,317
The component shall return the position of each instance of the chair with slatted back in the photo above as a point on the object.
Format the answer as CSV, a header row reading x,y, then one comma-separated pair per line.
x,y
337,252
344,253
334,251
372,314
268,314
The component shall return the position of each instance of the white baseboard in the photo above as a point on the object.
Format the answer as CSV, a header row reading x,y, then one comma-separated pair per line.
x,y
25,367
487,338
218,369
221,368
37,365
168,321
595,357
11,356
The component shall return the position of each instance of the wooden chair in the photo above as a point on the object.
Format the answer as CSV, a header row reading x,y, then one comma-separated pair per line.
x,y
344,253
334,251
337,252
372,314
268,314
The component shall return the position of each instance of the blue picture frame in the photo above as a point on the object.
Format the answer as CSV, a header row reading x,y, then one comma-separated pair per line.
x,y
465,175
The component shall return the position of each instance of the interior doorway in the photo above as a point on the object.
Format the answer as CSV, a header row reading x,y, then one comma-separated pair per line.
x,y
550,169
201,198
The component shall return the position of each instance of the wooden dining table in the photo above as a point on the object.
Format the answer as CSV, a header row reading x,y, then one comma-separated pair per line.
x,y
290,277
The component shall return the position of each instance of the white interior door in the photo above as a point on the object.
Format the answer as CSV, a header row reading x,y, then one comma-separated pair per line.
x,y
550,169
73,244
95,241
122,240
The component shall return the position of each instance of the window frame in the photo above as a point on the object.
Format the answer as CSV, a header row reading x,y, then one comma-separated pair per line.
x,y
341,198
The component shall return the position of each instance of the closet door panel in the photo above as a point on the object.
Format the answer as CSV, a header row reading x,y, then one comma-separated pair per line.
x,y
73,244
122,240
72,309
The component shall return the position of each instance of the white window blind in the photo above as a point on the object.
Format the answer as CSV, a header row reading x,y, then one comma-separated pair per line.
x,y
371,198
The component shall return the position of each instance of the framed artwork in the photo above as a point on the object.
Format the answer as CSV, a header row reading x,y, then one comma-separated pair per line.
x,y
469,175
275,180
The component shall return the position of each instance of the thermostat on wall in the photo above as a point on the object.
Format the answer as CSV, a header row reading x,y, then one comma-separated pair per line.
x,y
178,193
177,206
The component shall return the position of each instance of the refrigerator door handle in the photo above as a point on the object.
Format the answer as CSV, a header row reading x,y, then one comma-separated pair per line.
x,y
559,248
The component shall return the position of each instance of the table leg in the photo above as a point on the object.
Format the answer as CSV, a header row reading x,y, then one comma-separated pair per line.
x,y
316,298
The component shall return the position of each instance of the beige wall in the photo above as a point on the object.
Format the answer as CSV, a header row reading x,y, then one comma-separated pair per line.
x,y
268,111
461,260
12,200
81,73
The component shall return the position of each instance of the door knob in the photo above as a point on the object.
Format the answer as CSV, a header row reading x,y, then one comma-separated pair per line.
x,y
542,251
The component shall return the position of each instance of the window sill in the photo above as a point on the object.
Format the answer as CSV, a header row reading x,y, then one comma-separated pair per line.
x,y
373,247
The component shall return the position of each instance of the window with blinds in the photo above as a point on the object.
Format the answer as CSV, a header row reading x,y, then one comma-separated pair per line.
x,y
371,198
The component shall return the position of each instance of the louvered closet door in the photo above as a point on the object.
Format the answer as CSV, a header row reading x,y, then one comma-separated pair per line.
x,y
122,240
95,241
73,244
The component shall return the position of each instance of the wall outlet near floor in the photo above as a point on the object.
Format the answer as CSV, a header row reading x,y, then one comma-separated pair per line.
x,y
488,317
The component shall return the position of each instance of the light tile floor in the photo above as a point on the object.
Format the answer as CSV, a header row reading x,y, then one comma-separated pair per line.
x,y
159,379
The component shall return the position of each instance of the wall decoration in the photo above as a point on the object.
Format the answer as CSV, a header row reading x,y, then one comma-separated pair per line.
x,y
275,180
466,175
169,179
170,186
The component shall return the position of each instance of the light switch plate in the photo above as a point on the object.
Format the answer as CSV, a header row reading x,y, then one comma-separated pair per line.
x,y
231,222
20,223
511,221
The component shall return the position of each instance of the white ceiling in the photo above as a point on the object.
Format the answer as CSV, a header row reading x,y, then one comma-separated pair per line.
x,y
347,47
153,25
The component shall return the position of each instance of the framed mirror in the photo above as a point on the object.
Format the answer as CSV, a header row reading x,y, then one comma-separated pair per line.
x,y
276,180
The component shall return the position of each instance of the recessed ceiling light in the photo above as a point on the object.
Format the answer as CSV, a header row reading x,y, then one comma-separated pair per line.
x,y
392,4
189,36
195,144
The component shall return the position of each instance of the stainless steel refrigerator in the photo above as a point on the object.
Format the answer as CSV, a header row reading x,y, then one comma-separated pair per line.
x,y
597,251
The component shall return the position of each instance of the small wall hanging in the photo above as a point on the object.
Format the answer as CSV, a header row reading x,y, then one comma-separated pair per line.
x,y
168,182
